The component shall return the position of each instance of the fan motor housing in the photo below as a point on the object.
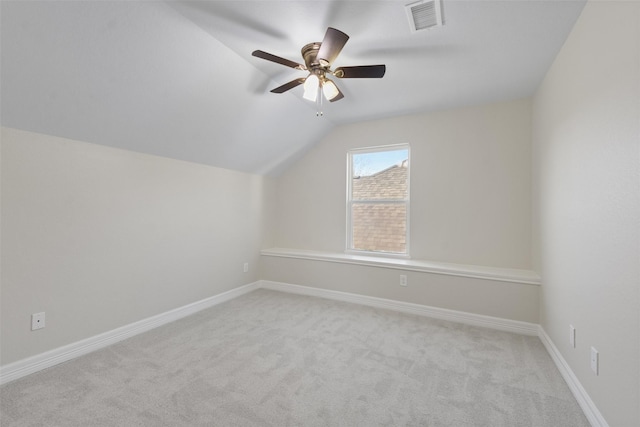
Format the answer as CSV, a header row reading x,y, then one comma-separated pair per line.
x,y
309,53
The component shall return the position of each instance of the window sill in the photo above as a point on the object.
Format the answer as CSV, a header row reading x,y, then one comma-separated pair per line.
x,y
474,271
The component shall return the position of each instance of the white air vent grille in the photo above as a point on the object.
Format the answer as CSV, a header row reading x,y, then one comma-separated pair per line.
x,y
424,14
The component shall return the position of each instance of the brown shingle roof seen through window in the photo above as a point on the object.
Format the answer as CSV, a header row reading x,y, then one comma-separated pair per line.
x,y
380,226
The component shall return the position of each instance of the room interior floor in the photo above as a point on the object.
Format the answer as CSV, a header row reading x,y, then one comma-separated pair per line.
x,y
275,359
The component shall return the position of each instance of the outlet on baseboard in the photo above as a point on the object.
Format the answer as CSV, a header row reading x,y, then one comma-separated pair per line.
x,y
37,321
403,280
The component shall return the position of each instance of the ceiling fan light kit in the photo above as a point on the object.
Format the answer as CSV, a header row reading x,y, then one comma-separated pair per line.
x,y
318,58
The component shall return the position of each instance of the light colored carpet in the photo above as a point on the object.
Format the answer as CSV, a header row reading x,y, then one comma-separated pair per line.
x,y
275,359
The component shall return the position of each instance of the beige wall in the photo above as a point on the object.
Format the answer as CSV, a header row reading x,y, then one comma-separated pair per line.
x,y
586,157
470,204
470,185
506,300
99,237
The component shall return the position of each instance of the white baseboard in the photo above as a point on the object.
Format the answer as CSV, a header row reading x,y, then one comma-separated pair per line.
x,y
523,328
588,407
58,355
53,357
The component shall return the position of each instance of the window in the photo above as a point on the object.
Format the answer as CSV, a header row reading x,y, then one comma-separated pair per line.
x,y
378,200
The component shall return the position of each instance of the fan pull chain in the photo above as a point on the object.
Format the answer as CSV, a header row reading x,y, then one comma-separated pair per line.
x,y
319,113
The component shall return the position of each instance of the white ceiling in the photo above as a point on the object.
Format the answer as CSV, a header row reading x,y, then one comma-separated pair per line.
x,y
177,79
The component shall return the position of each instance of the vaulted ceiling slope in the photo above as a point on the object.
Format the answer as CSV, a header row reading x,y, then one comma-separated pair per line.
x,y
177,79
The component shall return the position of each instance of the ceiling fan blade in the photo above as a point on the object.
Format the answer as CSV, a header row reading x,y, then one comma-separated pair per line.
x,y
285,87
361,72
338,97
333,42
277,59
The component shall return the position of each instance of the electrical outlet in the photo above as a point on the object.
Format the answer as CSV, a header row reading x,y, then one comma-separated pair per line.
x,y
245,268
595,360
37,321
403,280
572,336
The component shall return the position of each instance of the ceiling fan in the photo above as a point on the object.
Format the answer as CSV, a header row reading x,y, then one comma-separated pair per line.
x,y
318,58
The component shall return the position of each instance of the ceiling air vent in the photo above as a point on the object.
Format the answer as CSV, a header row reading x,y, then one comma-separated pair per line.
x,y
424,14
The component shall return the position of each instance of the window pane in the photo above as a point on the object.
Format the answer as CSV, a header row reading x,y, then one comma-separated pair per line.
x,y
380,175
379,226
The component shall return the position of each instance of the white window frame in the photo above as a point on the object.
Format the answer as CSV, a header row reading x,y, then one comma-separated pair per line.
x,y
349,241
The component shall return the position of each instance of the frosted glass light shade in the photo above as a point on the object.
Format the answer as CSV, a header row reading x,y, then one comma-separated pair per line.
x,y
329,89
311,87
